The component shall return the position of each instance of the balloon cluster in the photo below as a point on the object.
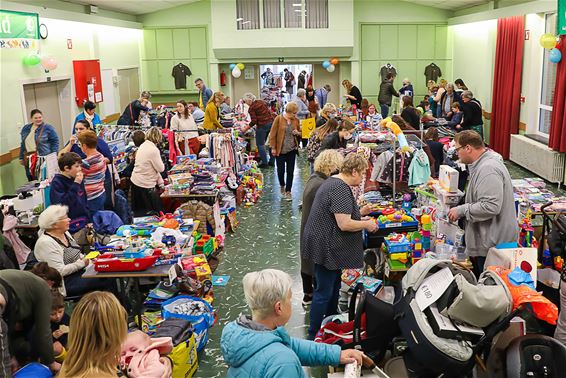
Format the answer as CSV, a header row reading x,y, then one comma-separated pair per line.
x,y
48,63
236,69
548,41
330,65
395,129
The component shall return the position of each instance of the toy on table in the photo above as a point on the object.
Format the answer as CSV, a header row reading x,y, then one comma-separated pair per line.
x,y
407,203
109,262
398,247
396,217
426,225
417,249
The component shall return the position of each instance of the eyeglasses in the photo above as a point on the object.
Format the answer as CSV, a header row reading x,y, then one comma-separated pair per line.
x,y
459,148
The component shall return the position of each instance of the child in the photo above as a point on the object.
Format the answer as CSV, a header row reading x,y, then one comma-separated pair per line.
x,y
94,169
59,326
456,120
67,188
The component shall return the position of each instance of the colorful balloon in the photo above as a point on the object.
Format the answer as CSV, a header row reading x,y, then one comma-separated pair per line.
x,y
334,61
31,60
331,68
241,66
232,66
554,55
236,72
49,63
325,64
548,40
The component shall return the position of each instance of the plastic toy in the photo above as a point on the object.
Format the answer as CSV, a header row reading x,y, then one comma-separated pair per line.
x,y
407,203
395,129
110,263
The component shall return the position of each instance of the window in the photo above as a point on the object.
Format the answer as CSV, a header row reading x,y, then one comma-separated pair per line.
x,y
271,14
294,14
548,82
247,13
316,15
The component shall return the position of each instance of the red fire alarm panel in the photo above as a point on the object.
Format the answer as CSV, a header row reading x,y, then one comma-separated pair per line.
x,y
88,84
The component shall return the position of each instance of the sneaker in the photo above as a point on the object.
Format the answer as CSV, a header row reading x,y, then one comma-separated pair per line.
x,y
307,299
288,196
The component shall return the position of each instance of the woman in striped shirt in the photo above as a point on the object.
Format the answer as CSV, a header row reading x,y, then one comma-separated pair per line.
x,y
94,169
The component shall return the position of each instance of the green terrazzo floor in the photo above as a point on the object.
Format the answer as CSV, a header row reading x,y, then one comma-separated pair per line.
x,y
268,237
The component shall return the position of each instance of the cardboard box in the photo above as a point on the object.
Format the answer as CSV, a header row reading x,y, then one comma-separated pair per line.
x,y
448,178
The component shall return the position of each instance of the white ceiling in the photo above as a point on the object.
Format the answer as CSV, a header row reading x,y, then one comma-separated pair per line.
x,y
138,7
135,7
448,4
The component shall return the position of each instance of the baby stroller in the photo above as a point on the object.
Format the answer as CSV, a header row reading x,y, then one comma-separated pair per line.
x,y
554,231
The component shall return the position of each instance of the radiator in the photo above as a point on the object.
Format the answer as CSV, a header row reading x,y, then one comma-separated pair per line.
x,y
537,158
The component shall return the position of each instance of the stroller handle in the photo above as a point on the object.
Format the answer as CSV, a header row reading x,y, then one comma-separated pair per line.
x,y
543,207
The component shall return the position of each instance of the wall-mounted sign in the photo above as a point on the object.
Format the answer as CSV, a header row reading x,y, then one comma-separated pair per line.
x,y
249,73
19,30
561,17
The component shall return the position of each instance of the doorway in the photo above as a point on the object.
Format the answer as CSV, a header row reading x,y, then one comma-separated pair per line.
x,y
48,97
128,86
278,72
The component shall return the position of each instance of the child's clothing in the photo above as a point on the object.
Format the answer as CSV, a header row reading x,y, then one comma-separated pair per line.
x,y
55,326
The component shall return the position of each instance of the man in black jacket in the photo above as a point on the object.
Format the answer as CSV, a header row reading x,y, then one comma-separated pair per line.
x,y
473,113
386,93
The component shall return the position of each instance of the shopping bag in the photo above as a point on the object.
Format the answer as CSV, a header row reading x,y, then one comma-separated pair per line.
x,y
307,127
184,358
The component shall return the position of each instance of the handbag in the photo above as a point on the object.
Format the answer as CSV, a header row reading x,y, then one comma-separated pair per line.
x,y
32,155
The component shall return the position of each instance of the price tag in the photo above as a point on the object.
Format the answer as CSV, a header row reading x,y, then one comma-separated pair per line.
x,y
172,274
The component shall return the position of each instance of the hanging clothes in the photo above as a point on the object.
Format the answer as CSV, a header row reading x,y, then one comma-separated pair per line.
x,y
432,72
419,169
386,70
180,73
9,229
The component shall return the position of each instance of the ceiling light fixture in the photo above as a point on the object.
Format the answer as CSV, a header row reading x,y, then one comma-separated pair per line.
x,y
239,19
246,22
297,5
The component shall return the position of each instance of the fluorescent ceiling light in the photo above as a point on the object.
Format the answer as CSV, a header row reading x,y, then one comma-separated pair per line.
x,y
246,22
297,5
239,19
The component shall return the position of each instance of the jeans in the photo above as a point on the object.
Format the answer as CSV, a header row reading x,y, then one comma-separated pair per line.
x,y
325,297
260,137
96,204
477,262
286,165
384,110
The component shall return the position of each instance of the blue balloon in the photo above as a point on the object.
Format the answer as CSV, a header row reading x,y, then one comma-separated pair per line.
x,y
555,55
326,64
232,66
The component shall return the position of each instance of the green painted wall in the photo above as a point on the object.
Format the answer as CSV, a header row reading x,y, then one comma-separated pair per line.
x,y
115,47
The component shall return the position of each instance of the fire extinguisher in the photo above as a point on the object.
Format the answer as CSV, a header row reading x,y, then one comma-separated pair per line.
x,y
222,79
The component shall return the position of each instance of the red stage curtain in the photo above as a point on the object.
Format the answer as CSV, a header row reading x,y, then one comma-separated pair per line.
x,y
557,139
506,97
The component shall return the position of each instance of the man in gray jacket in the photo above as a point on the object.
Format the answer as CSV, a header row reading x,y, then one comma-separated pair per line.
x,y
489,209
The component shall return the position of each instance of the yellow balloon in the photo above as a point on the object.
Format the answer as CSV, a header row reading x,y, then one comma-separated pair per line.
x,y
241,66
548,41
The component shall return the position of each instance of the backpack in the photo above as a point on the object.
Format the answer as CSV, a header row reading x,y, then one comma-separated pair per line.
x,y
122,207
106,222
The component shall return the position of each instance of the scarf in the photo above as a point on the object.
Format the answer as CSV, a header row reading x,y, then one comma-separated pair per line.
x,y
89,118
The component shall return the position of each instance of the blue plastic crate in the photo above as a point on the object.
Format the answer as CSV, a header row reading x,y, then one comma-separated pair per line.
x,y
396,247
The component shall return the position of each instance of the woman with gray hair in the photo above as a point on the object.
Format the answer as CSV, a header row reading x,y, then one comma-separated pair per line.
x,y
259,346
473,113
60,251
326,164
332,238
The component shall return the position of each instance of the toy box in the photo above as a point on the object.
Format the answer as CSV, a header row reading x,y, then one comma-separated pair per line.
x,y
397,243
450,198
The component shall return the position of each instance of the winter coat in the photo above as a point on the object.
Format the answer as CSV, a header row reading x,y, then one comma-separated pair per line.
x,y
386,92
252,350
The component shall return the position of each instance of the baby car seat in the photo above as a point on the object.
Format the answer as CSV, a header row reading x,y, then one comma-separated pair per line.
x,y
535,356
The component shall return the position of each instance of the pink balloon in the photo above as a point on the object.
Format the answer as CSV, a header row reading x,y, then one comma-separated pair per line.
x,y
49,63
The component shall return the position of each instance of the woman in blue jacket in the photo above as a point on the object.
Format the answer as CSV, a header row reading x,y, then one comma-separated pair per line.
x,y
88,115
38,139
259,346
